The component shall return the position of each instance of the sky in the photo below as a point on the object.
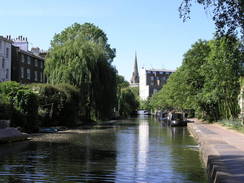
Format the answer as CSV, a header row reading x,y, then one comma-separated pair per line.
x,y
151,28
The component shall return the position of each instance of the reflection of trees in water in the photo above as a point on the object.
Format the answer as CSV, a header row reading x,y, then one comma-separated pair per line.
x,y
185,160
80,159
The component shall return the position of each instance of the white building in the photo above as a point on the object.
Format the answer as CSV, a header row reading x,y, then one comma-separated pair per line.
x,y
21,42
151,81
5,59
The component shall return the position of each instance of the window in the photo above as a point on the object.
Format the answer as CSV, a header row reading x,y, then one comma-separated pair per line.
x,y
28,60
28,73
41,77
3,63
7,52
158,82
7,73
36,63
23,58
35,76
0,44
41,64
152,78
22,72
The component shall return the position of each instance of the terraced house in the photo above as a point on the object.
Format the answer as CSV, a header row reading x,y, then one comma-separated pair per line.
x,y
23,66
5,59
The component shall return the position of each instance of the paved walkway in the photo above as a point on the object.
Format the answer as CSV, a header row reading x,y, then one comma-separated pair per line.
x,y
222,151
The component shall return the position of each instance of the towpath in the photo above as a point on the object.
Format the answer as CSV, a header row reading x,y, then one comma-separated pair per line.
x,y
222,150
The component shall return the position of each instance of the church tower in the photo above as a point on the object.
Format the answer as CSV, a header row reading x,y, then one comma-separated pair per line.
x,y
135,75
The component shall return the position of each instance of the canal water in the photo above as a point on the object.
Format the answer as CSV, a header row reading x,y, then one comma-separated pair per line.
x,y
138,150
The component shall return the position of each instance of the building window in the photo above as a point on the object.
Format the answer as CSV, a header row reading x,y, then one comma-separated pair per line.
x,y
0,44
155,91
41,64
35,75
28,60
28,73
158,82
36,63
152,78
22,72
7,73
7,52
23,58
40,76
3,63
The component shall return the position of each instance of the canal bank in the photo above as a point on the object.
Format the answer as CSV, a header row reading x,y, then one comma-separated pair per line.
x,y
222,151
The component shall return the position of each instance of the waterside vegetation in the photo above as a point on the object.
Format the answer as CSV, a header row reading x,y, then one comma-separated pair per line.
x,y
82,85
207,83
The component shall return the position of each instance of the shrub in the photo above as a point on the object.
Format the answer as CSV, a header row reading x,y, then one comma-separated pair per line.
x,y
58,104
20,105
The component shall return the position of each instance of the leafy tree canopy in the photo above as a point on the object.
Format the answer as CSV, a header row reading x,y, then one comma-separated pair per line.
x,y
81,56
207,82
228,15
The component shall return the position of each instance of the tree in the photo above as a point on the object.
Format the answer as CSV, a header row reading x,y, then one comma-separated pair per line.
x,y
207,82
228,15
81,56
219,98
128,102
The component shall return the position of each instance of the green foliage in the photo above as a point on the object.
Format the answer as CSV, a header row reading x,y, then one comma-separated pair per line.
x,y
58,104
234,124
146,104
128,102
227,14
20,103
81,56
207,82
135,91
121,82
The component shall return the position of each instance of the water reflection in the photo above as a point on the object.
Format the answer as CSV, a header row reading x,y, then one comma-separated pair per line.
x,y
138,150
143,141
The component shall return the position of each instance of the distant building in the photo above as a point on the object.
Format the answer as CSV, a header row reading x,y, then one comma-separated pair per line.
x,y
19,64
27,67
134,82
5,59
38,52
151,81
21,42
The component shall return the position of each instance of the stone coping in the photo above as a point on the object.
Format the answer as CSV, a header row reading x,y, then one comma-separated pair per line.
x,y
12,134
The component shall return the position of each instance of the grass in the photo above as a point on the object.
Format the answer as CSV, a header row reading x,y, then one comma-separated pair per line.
x,y
233,124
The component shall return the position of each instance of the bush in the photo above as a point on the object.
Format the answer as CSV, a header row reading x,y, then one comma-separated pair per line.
x,y
20,105
58,104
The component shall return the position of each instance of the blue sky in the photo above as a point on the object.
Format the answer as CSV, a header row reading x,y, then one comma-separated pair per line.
x,y
152,28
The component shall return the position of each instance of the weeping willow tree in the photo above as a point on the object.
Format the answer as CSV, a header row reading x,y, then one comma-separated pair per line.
x,y
81,56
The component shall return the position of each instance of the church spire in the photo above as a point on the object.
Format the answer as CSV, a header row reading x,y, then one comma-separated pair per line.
x,y
135,74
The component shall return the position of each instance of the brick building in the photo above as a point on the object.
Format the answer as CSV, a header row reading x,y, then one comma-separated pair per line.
x,y
151,81
19,64
26,66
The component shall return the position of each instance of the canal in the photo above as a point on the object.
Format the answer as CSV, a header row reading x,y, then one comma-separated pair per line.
x,y
137,150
